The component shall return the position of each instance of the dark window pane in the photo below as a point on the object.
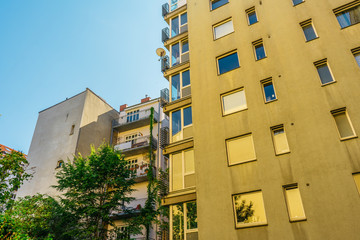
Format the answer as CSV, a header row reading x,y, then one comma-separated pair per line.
x,y
191,215
183,18
186,78
228,63
176,122
357,58
309,32
175,54
296,2
187,116
269,92
324,74
218,3
175,87
178,222
174,27
252,18
185,47
349,17
260,52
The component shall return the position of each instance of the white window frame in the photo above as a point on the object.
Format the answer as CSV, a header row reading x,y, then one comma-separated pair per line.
x,y
220,24
276,128
263,83
307,23
183,169
182,122
131,115
242,89
185,220
181,85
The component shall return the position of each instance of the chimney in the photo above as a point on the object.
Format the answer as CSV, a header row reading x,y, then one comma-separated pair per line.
x,y
122,107
146,99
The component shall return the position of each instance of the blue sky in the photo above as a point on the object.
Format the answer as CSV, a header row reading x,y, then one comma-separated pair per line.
x,y
51,50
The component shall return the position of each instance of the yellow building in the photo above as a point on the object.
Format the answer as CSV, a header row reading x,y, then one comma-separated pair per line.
x,y
263,145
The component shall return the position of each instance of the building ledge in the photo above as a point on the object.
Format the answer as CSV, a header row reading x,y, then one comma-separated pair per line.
x,y
177,104
175,39
175,12
178,146
176,68
179,197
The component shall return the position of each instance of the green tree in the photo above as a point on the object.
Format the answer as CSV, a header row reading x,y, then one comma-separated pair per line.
x,y
12,174
94,188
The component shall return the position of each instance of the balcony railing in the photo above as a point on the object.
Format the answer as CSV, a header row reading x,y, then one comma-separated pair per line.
x,y
164,95
137,143
174,4
164,137
165,34
134,117
165,64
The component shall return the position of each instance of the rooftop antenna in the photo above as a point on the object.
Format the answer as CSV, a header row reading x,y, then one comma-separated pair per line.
x,y
160,52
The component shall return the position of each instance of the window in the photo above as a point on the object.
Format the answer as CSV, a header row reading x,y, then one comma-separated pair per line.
x,y
251,16
294,203
182,170
268,90
132,116
259,49
233,102
178,24
217,3
132,164
343,123
357,181
228,62
348,14
72,129
249,209
280,141
240,149
222,29
175,4
296,2
356,52
324,71
183,221
59,164
123,233
131,138
180,85
180,52
181,120
308,30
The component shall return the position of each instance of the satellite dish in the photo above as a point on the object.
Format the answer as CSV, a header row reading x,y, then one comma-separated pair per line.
x,y
160,52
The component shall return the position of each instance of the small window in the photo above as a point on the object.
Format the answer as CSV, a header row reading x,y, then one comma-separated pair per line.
x,y
233,102
228,62
268,90
356,52
308,29
280,141
180,120
180,85
348,14
249,209
240,149
217,3
178,24
251,16
324,72
259,49
179,52
296,2
72,129
294,203
59,164
357,181
343,123
132,116
222,29
182,170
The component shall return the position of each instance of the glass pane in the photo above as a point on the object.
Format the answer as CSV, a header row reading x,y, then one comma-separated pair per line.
x,y
223,29
176,122
186,78
240,149
309,32
174,26
260,52
183,18
280,141
191,215
357,180
218,3
349,17
234,102
344,19
176,172
187,116
175,87
269,92
296,2
325,75
175,54
343,125
252,18
249,209
294,204
178,222
228,63
189,161
357,58
185,47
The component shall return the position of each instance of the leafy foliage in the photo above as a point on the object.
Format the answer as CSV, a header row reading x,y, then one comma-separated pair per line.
x,y
243,211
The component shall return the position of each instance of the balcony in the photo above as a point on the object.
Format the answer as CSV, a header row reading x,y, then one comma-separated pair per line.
x,y
135,146
134,120
172,6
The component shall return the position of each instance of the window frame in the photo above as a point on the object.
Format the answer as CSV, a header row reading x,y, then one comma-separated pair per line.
x,y
302,1
132,116
320,63
179,24
211,9
250,11
180,73
356,185
276,128
356,53
266,81
289,187
181,53
338,112
307,23
344,9
221,23
182,122
226,55
183,173
184,204
229,93
241,162
257,43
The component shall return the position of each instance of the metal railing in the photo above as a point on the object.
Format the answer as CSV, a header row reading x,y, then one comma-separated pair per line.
x,y
165,9
139,142
165,34
165,65
164,95
134,117
164,137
